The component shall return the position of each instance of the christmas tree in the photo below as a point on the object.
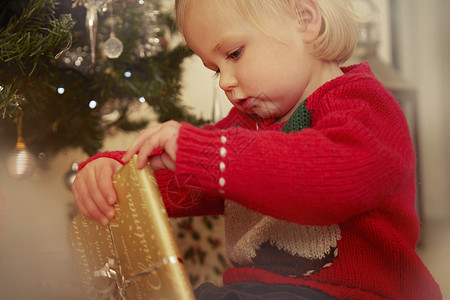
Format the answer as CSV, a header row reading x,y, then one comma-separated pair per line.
x,y
71,72
74,70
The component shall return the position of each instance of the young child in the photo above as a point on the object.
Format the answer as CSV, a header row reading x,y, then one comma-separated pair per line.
x,y
313,168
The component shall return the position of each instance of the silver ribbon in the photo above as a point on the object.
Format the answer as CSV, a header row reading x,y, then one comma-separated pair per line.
x,y
109,282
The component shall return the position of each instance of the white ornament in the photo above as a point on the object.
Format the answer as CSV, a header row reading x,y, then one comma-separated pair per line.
x,y
113,47
21,163
70,175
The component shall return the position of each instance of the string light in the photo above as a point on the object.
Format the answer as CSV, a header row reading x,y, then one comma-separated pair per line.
x,y
60,90
142,100
93,104
127,74
79,61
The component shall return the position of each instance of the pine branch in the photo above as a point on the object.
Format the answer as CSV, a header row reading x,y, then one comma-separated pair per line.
x,y
31,40
10,101
54,121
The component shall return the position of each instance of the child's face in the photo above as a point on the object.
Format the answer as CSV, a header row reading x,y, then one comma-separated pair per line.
x,y
260,74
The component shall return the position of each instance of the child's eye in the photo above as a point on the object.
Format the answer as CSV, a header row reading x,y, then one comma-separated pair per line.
x,y
235,54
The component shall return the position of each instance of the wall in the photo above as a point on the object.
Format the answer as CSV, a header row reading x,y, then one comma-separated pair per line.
x,y
423,59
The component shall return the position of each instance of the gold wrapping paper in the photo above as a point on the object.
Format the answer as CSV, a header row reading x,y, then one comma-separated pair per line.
x,y
136,256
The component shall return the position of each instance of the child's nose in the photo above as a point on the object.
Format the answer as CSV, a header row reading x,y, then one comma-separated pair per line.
x,y
227,81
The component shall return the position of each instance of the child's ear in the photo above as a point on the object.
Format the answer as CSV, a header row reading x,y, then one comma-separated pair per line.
x,y
310,19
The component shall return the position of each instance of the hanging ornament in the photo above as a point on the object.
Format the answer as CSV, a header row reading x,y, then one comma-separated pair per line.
x,y
92,26
113,47
20,163
70,175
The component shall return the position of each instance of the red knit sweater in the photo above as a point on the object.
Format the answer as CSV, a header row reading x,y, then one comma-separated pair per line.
x,y
355,167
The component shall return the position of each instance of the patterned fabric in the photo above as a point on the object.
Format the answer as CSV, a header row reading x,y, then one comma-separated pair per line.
x,y
286,248
201,243
299,120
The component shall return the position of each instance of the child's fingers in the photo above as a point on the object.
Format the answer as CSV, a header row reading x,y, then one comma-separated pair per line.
x,y
101,204
166,138
104,179
162,161
133,149
102,188
108,192
93,189
145,150
153,138
139,141
77,198
86,203
90,210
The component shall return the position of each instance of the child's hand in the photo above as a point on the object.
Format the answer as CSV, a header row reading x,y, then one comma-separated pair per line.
x,y
162,136
93,189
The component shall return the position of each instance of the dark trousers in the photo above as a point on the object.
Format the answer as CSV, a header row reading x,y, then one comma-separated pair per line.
x,y
256,291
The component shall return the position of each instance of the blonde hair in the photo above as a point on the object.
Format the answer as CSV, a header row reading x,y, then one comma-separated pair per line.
x,y
338,36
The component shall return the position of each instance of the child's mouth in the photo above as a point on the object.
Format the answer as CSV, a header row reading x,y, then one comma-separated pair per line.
x,y
245,103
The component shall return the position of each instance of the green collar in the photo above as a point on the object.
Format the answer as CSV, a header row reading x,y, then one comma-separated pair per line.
x,y
301,118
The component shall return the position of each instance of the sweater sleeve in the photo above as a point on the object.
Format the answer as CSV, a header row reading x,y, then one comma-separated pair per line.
x,y
182,195
355,158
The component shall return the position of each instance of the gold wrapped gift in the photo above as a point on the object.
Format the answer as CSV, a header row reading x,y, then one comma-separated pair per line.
x,y
135,256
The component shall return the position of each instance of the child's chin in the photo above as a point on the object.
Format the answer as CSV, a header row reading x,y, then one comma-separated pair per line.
x,y
265,114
